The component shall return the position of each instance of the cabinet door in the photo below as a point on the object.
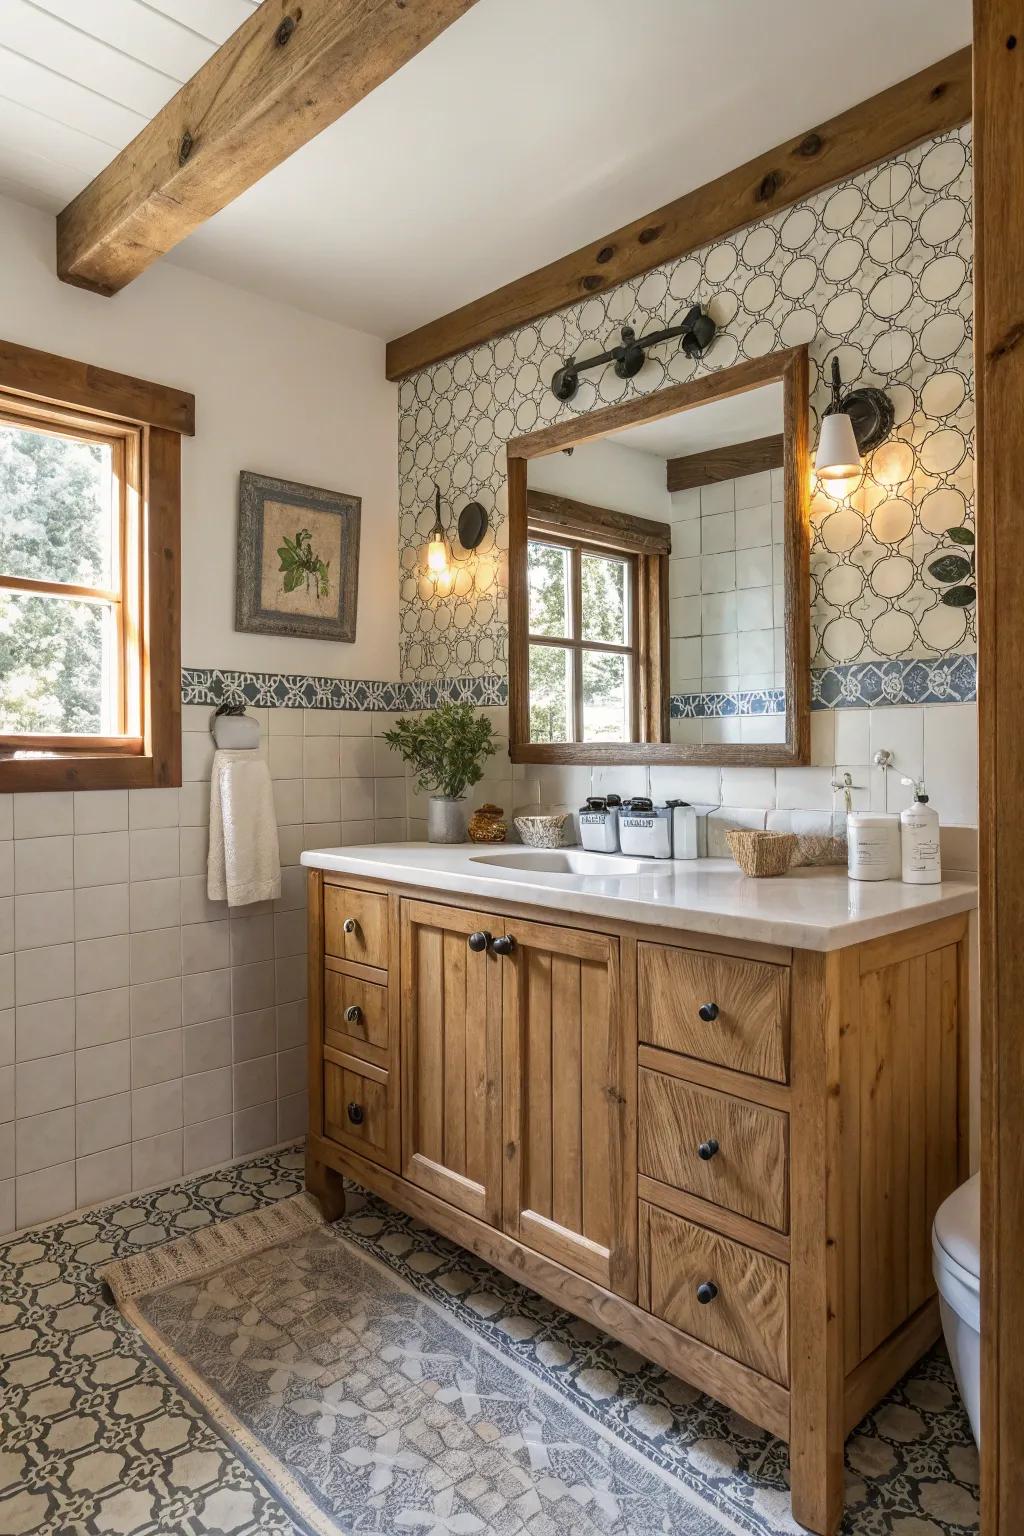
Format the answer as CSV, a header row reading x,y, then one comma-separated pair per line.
x,y
569,1096
451,1058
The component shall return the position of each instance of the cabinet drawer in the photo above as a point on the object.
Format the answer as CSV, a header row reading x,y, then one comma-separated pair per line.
x,y
356,925
356,1017
744,1147
745,1002
727,1295
360,1107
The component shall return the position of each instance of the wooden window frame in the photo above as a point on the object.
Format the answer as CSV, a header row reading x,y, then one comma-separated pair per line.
x,y
790,368
143,423
644,545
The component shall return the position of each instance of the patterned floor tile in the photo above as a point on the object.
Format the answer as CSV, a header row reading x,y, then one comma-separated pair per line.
x,y
95,1439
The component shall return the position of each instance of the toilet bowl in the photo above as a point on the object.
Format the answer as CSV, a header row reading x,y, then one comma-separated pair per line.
x,y
956,1265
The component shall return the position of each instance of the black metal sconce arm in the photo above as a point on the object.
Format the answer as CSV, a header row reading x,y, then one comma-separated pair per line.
x,y
697,331
870,410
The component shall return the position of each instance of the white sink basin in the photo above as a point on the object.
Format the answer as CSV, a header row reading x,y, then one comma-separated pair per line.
x,y
567,861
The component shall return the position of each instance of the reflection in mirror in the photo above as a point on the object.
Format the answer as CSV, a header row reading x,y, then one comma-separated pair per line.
x,y
692,503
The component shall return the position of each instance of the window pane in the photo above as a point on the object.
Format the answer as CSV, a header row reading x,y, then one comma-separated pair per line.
x,y
57,504
605,600
548,577
550,693
606,701
58,666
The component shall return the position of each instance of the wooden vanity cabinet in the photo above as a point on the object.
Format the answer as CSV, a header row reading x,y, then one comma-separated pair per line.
x,y
726,1155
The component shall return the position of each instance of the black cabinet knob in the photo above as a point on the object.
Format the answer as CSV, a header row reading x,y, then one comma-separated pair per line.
x,y
708,1012
478,941
707,1292
504,944
353,1014
707,1149
355,1114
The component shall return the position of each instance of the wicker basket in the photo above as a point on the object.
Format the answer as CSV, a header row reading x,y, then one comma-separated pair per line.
x,y
761,853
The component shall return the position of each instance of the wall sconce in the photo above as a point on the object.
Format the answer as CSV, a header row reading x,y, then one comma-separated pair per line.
x,y
472,526
853,425
696,333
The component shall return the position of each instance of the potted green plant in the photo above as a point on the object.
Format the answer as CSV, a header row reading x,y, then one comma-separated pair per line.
x,y
447,748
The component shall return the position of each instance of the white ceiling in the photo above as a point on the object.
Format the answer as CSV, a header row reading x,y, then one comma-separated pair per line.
x,y
716,424
524,131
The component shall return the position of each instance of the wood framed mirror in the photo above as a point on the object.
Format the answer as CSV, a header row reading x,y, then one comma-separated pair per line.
x,y
659,606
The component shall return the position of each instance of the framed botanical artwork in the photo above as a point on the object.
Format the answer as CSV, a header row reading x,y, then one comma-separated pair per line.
x,y
298,559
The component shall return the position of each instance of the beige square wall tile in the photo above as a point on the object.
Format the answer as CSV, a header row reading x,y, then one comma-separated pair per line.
x,y
321,756
43,1195
8,1161
291,1025
6,1037
44,815
193,848
207,1095
101,1070
103,1175
355,722
101,810
43,1141
196,756
252,986
288,801
153,853
101,1017
6,817
44,1084
155,955
291,978
101,964
47,917
43,975
289,934
206,995
152,808
291,1071
7,1093
194,805
254,1034
155,904
6,869
252,939
204,947
253,1129
45,1029
103,1123
285,757
43,864
292,1116
293,889
101,911
155,1006
207,1046
322,722
8,1220
254,1082
207,1144
101,858
196,907
156,1058
156,1160
285,722
156,1109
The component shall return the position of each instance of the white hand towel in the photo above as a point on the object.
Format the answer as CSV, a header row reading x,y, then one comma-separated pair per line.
x,y
244,863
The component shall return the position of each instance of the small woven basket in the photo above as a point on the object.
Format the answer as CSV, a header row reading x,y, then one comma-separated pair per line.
x,y
761,853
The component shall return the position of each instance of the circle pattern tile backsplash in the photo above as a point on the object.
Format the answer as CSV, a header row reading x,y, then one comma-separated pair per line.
x,y
876,271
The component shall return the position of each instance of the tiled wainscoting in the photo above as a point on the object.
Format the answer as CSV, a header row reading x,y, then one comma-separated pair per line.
x,y
146,1032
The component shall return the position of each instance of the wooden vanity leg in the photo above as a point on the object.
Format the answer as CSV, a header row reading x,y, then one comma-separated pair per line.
x,y
328,1187
816,1435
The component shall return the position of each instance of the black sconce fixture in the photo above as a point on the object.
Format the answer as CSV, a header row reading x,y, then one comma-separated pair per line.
x,y
853,424
472,526
696,334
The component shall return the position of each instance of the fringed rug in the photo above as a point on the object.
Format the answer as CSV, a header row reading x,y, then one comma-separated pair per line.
x,y
371,1409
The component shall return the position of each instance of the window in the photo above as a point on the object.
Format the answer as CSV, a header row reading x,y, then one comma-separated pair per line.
x,y
89,648
582,642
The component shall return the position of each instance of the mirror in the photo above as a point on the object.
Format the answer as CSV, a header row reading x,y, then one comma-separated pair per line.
x,y
658,576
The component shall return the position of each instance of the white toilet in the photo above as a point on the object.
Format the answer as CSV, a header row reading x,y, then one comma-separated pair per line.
x,y
956,1264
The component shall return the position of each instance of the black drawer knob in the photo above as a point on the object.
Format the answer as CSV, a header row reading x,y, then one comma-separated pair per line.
x,y
707,1149
708,1012
349,925
707,1292
504,944
355,1113
354,1014
478,942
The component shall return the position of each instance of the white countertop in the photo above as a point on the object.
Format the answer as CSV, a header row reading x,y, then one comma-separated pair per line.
x,y
817,909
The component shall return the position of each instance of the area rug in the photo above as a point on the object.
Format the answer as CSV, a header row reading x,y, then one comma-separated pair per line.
x,y
368,1407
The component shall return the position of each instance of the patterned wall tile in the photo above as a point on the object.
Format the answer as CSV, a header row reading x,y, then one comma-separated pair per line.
x,y
876,271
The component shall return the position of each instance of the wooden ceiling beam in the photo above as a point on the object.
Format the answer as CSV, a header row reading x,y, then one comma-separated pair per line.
x,y
730,463
289,71
931,102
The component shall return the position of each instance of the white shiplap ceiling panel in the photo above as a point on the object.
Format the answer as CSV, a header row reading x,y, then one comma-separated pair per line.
x,y
528,128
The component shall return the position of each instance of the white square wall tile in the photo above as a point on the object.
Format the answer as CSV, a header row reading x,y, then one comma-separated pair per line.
x,y
196,755
853,734
46,917
753,490
321,756
101,858
152,808
285,722
750,787
101,810
44,815
901,731
288,801
697,784
285,757
43,864
803,789
155,904
717,533
823,738
951,762
719,496
753,527
153,853
101,911
321,722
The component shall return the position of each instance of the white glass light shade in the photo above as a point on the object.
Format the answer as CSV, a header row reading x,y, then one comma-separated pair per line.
x,y
838,457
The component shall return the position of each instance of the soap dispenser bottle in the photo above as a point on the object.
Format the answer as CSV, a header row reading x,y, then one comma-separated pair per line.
x,y
920,840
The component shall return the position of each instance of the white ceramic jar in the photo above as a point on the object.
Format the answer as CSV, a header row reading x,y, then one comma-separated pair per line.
x,y
873,845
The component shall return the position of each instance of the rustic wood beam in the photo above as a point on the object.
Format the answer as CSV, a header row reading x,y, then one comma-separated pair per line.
x,y
579,519
289,71
726,463
999,369
34,375
932,102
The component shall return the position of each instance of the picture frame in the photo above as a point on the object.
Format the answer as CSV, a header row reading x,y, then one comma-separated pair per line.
x,y
297,568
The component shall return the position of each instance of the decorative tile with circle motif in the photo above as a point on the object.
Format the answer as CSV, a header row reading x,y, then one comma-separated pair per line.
x,y
95,1439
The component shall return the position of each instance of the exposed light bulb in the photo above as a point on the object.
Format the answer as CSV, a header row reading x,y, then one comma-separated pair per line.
x,y
437,557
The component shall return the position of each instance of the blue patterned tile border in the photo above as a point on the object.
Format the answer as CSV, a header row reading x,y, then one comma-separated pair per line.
x,y
751,701
853,685
276,690
869,684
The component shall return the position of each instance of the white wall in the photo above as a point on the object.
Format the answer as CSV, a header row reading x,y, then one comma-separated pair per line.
x,y
277,391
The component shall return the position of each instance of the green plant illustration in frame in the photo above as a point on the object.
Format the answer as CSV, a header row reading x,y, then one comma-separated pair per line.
x,y
301,563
